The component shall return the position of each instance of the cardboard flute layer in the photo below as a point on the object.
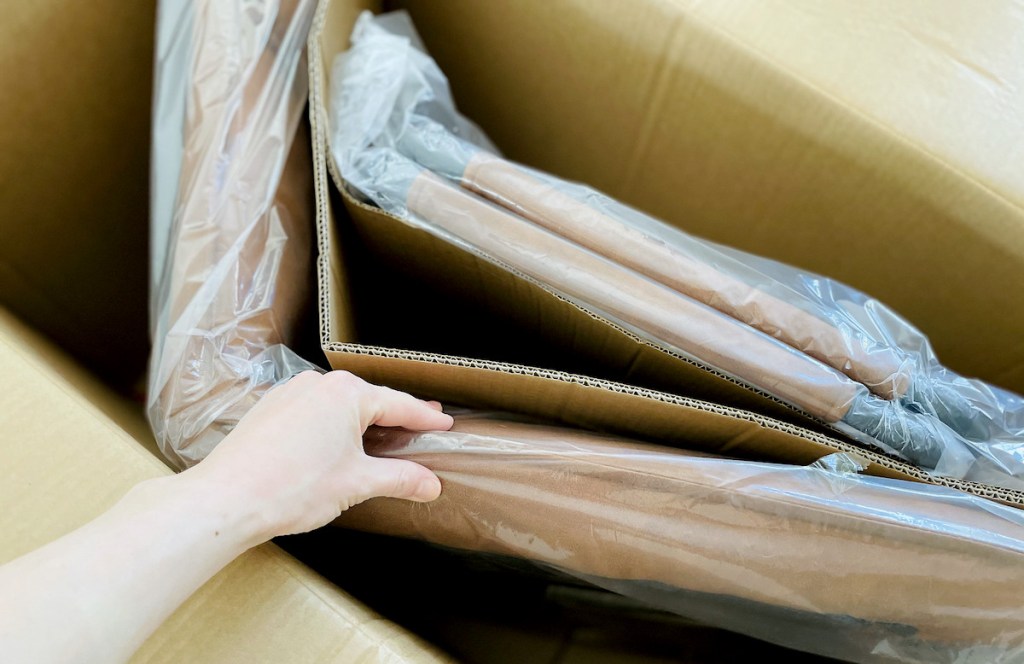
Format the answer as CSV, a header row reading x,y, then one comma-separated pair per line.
x,y
703,411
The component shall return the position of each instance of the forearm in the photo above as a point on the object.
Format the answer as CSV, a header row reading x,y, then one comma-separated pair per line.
x,y
98,592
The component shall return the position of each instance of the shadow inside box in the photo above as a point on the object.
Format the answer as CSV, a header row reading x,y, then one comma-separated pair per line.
x,y
397,308
489,609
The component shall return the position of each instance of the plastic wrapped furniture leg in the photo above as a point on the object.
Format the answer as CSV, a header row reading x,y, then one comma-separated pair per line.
x,y
816,558
231,214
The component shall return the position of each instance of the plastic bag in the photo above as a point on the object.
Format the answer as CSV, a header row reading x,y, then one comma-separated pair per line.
x,y
231,211
818,345
815,558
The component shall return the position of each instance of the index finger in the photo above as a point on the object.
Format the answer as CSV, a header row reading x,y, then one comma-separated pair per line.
x,y
383,406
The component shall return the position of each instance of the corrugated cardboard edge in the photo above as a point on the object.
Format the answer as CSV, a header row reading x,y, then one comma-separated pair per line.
x,y
881,464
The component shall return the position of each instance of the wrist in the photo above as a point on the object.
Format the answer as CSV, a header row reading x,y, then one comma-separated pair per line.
x,y
216,510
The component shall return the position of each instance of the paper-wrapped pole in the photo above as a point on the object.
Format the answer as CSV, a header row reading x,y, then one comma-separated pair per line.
x,y
878,368
671,317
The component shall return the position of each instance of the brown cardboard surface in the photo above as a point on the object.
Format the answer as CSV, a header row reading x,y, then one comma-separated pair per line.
x,y
896,63
352,235
74,137
126,414
877,145
64,462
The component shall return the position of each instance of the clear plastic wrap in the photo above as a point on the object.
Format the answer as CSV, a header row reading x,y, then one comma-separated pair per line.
x,y
822,347
816,558
231,210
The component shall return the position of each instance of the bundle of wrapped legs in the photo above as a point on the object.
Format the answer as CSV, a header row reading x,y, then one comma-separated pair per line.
x,y
817,558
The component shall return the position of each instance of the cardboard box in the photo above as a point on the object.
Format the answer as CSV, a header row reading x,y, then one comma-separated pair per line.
x,y
656,105
721,124
73,256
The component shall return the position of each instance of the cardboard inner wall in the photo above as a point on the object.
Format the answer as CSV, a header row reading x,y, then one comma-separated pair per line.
x,y
388,293
440,298
74,150
877,145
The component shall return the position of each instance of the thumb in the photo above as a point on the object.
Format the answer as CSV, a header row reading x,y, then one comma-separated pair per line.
x,y
398,478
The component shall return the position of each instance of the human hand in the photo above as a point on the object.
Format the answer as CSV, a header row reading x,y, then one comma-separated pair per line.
x,y
296,461
293,463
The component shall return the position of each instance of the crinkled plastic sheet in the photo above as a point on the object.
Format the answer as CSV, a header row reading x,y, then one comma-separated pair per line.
x,y
816,558
816,344
231,213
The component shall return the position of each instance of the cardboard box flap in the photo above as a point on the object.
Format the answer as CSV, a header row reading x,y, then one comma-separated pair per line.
x,y
482,308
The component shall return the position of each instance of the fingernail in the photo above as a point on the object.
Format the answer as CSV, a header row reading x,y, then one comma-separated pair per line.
x,y
436,405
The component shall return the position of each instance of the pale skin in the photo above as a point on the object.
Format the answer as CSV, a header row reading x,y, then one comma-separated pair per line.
x,y
294,463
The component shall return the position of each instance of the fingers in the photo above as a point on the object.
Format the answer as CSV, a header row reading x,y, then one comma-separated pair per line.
x,y
397,478
390,408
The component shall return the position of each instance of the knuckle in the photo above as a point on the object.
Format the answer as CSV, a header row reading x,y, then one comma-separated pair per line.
x,y
347,377
306,376
344,380
293,385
